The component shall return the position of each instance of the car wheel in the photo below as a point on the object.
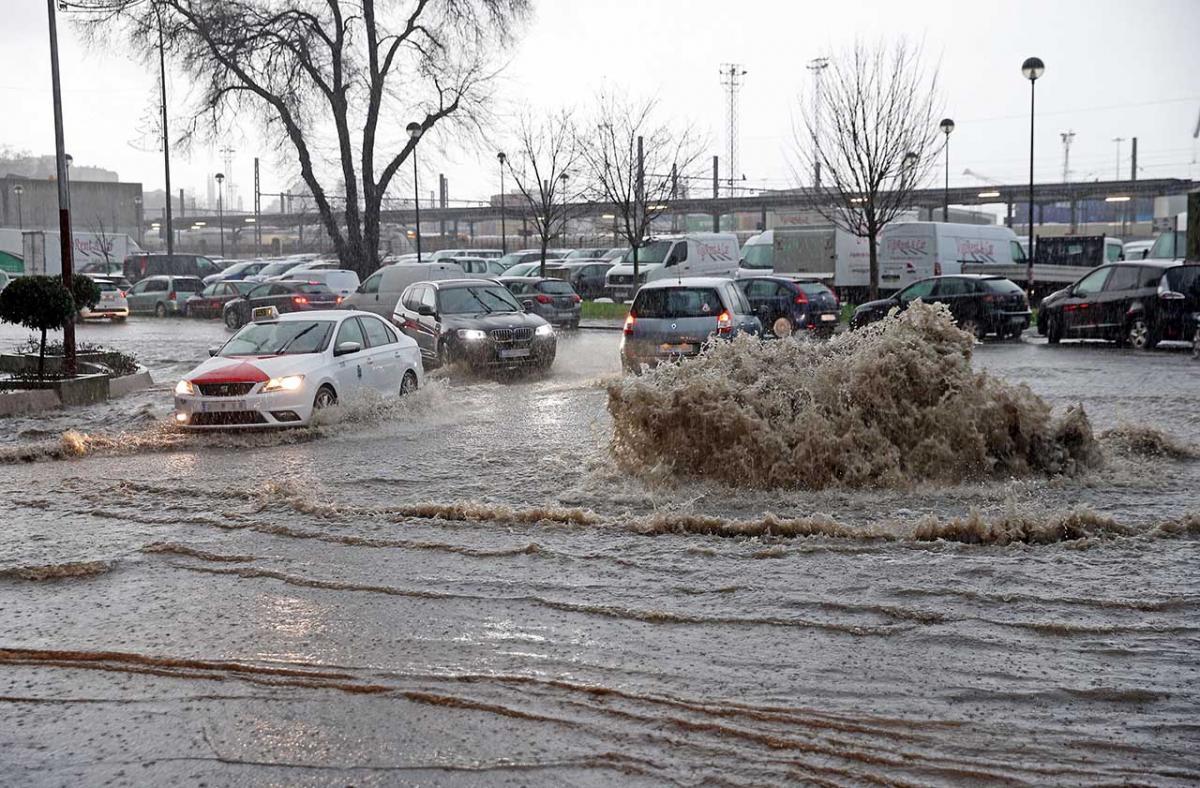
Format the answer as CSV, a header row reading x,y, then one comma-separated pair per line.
x,y
1138,334
325,398
409,384
160,310
1054,331
233,320
782,327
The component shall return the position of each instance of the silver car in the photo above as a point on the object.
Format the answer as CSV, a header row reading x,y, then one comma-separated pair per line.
x,y
162,295
672,319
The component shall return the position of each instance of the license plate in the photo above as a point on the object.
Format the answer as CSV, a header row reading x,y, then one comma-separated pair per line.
x,y
666,347
1016,319
223,406
829,318
518,352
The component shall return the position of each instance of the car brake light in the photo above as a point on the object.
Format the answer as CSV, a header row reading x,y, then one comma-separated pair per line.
x,y
801,298
542,298
630,319
578,298
339,300
171,295
299,300
724,323
120,294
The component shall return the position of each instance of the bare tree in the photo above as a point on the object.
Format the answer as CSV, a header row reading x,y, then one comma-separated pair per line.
x,y
637,164
547,170
872,132
357,68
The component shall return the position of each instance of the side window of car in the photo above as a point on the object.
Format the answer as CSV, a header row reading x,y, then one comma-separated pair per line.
x,y
1092,283
377,334
279,289
157,286
429,298
1150,276
1018,252
760,288
139,288
350,332
259,292
371,285
953,287
921,290
1124,277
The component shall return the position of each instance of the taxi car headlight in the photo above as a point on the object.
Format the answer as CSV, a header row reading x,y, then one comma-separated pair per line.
x,y
185,387
545,331
471,334
288,383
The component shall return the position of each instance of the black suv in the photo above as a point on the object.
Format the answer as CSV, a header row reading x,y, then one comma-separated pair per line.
x,y
980,304
140,266
1139,304
473,321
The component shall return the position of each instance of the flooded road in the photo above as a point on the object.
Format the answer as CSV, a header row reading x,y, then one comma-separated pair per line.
x,y
463,588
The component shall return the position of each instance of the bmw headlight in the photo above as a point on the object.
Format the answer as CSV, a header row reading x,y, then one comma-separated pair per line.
x,y
288,383
471,334
185,387
545,331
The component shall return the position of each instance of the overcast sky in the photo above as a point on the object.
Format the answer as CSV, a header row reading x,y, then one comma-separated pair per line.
x,y
1114,68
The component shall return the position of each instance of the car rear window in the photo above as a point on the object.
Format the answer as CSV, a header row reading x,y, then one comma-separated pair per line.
x,y
556,287
1002,286
813,288
677,302
1184,279
188,285
105,286
313,288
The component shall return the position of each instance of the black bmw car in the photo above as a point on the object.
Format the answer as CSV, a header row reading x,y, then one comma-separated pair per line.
x,y
980,304
476,322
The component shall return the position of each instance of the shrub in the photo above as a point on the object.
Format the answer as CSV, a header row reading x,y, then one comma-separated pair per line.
x,y
85,292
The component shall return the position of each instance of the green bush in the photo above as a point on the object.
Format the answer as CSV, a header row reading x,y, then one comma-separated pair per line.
x,y
40,303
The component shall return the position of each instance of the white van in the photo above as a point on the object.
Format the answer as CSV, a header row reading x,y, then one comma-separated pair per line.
x,y
671,256
909,251
380,292
340,280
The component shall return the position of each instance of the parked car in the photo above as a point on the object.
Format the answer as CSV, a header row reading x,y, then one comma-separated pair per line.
x,y
785,305
476,322
162,295
236,272
112,305
981,304
445,255
340,280
210,302
586,276
142,265
552,299
278,371
284,296
526,255
380,291
1139,303
672,319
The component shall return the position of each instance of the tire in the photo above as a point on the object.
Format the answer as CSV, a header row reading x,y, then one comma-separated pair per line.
x,y
160,310
409,383
782,327
1138,334
326,397
233,320
1054,332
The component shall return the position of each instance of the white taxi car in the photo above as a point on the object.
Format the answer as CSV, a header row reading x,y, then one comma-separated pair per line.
x,y
278,370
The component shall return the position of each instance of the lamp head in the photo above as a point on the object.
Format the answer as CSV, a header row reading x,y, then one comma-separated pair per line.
x,y
414,130
947,126
1033,68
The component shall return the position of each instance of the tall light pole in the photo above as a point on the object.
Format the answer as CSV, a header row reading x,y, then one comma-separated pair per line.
x,y
220,176
563,180
500,157
414,132
947,126
64,196
1032,69
162,77
817,65
137,209
19,190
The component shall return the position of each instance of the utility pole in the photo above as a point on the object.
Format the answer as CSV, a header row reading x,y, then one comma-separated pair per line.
x,y
716,178
731,78
257,213
817,66
1118,140
162,83
1133,161
1067,137
64,198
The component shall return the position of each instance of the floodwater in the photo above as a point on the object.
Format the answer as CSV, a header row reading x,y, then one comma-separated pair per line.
x,y
464,588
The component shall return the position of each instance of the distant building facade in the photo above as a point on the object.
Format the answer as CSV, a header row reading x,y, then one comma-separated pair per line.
x,y
95,205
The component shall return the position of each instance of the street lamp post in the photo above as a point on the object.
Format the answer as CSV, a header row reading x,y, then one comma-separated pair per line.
x,y
137,209
64,195
500,157
19,190
414,132
220,176
563,180
1032,69
947,126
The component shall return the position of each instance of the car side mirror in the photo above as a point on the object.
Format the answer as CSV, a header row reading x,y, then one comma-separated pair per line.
x,y
425,310
346,348
214,350
527,306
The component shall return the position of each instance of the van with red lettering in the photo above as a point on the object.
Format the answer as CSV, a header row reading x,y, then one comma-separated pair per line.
x,y
909,251
674,257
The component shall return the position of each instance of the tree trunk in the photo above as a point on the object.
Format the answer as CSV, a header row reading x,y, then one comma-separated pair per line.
x,y
635,267
545,243
42,357
873,246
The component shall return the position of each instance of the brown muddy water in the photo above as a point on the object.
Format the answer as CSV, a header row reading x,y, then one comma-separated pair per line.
x,y
467,588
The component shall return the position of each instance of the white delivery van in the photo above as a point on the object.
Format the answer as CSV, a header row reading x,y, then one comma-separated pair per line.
x,y
909,251
380,292
822,251
670,256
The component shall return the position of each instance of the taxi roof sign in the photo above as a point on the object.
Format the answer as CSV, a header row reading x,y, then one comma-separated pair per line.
x,y
264,313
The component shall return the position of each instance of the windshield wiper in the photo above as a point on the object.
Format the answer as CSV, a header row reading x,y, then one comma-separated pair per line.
x,y
475,295
288,344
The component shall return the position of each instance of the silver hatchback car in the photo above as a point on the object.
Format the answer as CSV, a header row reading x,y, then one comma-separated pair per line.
x,y
673,318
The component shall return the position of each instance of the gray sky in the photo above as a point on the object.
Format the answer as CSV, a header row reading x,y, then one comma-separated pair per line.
x,y
1113,69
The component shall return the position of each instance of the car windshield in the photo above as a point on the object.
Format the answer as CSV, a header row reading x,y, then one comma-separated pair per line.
x,y
509,260
1002,286
105,285
1167,246
1185,279
556,287
275,269
813,288
654,252
758,256
475,299
677,302
283,338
